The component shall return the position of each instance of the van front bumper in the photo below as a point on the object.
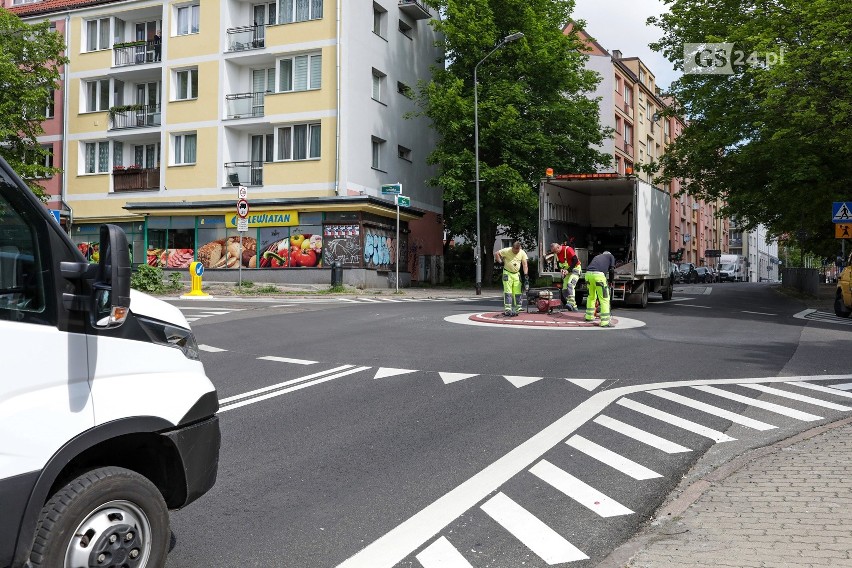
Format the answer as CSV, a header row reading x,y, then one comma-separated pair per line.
x,y
198,445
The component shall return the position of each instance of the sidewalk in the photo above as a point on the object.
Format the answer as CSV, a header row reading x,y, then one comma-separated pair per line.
x,y
229,290
785,505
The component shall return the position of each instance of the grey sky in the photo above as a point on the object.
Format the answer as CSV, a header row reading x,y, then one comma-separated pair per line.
x,y
620,24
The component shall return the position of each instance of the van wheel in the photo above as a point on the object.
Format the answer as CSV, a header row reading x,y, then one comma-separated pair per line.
x,y
668,291
106,517
840,309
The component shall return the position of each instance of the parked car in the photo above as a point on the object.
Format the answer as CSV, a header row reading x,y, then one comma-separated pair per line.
x,y
687,273
714,274
675,273
703,275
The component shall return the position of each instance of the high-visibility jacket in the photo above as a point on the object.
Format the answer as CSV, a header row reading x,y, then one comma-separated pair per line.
x,y
567,259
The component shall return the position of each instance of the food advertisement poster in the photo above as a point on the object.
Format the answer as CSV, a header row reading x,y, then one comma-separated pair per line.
x,y
299,247
228,253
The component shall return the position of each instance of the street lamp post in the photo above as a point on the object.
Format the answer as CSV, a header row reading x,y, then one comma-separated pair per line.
x,y
478,251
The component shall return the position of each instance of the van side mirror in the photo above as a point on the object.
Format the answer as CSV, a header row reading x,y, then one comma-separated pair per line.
x,y
111,288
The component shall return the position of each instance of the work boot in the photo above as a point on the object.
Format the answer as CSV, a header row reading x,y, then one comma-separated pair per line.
x,y
507,314
513,314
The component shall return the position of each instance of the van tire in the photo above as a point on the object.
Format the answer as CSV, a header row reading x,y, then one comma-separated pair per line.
x,y
104,501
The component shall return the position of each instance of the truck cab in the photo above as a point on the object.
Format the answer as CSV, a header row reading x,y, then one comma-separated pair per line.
x,y
108,419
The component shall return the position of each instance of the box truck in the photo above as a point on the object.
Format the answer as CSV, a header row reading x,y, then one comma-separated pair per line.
x,y
621,214
732,268
107,418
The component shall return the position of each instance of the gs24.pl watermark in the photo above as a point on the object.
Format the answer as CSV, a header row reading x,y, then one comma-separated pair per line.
x,y
724,58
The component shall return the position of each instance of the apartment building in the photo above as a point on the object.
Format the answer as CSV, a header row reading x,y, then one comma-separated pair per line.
x,y
170,106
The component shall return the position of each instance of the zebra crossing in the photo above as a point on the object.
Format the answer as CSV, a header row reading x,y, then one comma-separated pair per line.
x,y
823,317
640,435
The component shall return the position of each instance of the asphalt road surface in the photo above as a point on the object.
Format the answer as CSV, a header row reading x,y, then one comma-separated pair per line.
x,y
373,434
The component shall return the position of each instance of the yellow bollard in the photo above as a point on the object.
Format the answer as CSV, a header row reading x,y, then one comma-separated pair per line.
x,y
196,269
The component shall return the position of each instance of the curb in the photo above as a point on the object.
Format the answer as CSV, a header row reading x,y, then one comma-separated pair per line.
x,y
669,512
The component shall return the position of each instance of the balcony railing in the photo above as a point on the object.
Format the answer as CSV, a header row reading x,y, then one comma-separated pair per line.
x,y
136,52
246,37
135,179
134,116
244,173
244,105
414,9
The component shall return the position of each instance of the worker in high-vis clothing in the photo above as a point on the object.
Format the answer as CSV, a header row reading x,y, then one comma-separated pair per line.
x,y
570,268
513,258
597,273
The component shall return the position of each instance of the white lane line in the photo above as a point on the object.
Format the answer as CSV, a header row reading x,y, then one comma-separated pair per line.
x,y
820,388
610,458
843,387
211,313
350,300
453,377
283,306
714,435
284,384
388,372
776,408
287,360
803,314
580,492
693,306
208,309
291,389
210,349
799,397
758,313
442,554
190,320
533,533
640,435
521,381
371,300
714,410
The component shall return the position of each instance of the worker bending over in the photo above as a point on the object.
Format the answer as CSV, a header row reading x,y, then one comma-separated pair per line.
x,y
596,277
569,265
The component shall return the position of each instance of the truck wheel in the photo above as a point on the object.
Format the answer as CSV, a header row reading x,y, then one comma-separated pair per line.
x,y
643,303
106,517
668,292
840,309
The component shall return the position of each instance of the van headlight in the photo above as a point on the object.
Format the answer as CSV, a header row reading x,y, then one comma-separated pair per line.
x,y
171,335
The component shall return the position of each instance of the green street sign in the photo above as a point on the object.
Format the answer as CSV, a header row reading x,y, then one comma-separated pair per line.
x,y
392,189
403,201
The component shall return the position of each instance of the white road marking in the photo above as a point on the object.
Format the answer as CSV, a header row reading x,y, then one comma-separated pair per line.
x,y
640,435
210,349
799,397
612,459
820,388
623,324
388,372
708,291
442,554
284,384
371,300
580,492
283,306
453,377
521,381
714,435
822,317
588,384
693,306
758,313
291,389
533,533
714,410
776,408
210,313
207,309
843,387
287,360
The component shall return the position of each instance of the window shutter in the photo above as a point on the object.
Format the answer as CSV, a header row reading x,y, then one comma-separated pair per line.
x,y
316,140
301,75
286,75
316,71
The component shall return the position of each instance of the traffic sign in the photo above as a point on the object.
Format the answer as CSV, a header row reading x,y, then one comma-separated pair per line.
x,y
242,225
402,200
843,231
841,212
712,253
242,208
55,213
392,189
242,192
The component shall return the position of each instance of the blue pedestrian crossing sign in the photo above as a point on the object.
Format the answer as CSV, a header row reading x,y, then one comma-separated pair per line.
x,y
841,212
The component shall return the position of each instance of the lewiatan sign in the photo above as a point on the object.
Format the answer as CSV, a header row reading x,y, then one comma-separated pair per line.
x,y
266,219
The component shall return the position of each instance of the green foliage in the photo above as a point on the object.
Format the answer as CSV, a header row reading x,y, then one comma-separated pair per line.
x,y
245,284
175,281
268,289
533,106
337,289
30,58
147,279
774,141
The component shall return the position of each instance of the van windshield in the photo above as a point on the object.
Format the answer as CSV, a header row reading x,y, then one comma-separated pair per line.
x,y
727,267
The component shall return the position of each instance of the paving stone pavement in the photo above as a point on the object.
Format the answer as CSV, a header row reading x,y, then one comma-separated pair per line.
x,y
786,505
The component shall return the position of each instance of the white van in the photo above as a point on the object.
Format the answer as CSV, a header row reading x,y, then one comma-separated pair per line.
x,y
107,419
732,268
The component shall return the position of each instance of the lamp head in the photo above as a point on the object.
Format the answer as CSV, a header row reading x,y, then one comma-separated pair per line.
x,y
512,37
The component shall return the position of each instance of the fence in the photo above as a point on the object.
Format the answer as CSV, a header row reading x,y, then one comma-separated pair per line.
x,y
802,279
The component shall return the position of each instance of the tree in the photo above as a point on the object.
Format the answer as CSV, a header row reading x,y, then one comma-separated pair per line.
x,y
30,58
534,112
774,138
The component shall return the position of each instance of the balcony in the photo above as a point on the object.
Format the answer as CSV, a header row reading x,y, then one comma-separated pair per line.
x,y
244,105
414,10
244,173
135,179
246,37
134,116
136,53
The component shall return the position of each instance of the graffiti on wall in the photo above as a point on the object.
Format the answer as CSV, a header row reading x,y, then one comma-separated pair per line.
x,y
342,244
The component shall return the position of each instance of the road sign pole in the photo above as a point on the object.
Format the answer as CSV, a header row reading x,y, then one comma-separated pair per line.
x,y
397,246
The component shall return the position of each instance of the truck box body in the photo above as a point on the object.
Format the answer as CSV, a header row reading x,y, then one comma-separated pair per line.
x,y
624,215
732,268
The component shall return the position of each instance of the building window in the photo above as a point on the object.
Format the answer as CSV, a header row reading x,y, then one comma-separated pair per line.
x,y
404,90
642,76
380,21
97,34
379,80
378,146
50,109
618,125
628,95
48,156
187,19
186,84
97,95
404,153
406,29
185,146
299,10
300,73
618,84
299,142
628,134
96,158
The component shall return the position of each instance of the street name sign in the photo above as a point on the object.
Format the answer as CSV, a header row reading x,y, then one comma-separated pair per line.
x,y
392,189
403,201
